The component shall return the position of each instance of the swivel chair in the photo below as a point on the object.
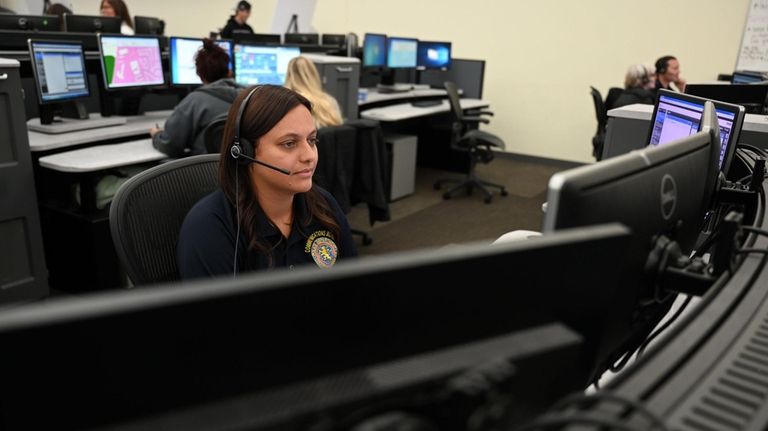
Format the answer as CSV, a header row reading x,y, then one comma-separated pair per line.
x,y
147,212
213,132
479,146
600,113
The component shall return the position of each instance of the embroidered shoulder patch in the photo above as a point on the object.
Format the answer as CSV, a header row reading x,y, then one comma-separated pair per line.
x,y
322,248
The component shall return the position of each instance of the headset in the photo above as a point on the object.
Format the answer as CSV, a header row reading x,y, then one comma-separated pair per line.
x,y
662,64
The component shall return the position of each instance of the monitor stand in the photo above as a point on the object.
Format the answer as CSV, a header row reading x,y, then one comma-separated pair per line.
x,y
394,88
73,117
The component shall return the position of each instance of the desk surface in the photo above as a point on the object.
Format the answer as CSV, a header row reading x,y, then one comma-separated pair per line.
x,y
404,111
135,126
639,111
372,95
101,157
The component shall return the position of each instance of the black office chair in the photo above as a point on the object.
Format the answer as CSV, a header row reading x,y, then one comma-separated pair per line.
x,y
600,113
213,132
479,145
148,210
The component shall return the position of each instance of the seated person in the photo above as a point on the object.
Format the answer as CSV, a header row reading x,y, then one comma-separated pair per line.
x,y
668,74
118,8
302,77
269,213
639,86
182,133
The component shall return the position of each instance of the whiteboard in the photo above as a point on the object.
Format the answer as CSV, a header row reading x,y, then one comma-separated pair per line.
x,y
753,52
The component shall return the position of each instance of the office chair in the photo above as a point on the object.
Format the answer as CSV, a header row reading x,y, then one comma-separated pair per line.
x,y
479,145
601,114
213,132
148,210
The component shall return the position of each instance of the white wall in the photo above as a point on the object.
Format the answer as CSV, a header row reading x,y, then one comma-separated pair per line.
x,y
541,57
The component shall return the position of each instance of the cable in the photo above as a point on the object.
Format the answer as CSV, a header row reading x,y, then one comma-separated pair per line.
x,y
756,230
664,326
237,210
578,399
754,149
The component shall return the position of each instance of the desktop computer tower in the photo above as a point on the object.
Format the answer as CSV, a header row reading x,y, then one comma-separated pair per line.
x,y
341,79
401,150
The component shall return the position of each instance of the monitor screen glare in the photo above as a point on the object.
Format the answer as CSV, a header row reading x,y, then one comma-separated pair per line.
x,y
59,70
131,61
182,59
375,50
434,55
677,116
401,52
262,64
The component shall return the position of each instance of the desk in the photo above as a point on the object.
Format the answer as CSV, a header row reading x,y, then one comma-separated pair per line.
x,y
102,157
628,128
405,111
135,126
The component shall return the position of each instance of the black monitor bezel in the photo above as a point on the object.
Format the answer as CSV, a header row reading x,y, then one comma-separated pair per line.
x,y
271,39
390,39
326,38
35,71
132,87
171,58
113,23
314,39
53,22
366,41
738,111
158,24
234,63
419,56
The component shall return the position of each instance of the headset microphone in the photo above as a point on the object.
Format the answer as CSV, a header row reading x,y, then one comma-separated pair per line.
x,y
234,151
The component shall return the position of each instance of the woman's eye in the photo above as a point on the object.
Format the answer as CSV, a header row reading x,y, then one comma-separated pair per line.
x,y
313,141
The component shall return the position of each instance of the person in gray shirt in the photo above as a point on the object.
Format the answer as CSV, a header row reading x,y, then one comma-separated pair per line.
x,y
182,134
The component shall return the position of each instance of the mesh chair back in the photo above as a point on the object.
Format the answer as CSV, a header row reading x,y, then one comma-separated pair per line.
x,y
147,212
213,133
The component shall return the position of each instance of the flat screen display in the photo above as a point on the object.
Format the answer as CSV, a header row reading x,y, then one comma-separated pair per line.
x,y
182,52
677,115
261,64
59,71
401,52
130,61
374,50
434,55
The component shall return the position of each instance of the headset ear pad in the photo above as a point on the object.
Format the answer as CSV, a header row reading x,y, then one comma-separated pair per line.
x,y
245,151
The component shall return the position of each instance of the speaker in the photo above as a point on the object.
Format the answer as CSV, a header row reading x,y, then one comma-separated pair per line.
x,y
241,146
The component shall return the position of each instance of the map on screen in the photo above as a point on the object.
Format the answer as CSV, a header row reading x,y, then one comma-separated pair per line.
x,y
131,61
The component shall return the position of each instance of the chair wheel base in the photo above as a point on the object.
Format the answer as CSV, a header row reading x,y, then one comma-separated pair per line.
x,y
503,192
487,200
446,196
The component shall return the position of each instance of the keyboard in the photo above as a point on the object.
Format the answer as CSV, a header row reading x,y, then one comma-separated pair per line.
x,y
426,103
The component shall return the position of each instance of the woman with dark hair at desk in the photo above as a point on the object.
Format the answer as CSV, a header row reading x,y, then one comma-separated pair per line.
x,y
182,134
118,8
267,213
639,86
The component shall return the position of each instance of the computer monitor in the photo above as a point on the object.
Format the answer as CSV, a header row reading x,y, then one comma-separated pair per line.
x,y
182,51
92,23
257,38
676,115
335,40
374,50
434,55
148,25
130,62
59,72
742,77
301,39
658,190
468,75
211,345
402,52
752,97
262,64
30,22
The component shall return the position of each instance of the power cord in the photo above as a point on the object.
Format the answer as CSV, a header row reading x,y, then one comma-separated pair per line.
x,y
557,417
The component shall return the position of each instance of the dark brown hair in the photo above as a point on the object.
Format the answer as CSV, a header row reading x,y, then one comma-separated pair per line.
x,y
266,107
211,62
121,10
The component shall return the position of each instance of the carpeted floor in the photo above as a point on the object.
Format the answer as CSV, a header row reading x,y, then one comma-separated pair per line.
x,y
425,219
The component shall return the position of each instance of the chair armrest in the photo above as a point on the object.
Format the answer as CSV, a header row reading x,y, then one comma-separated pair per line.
x,y
475,120
477,112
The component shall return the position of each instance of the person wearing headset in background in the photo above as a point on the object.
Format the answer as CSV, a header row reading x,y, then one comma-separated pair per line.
x,y
302,77
183,129
59,10
668,74
118,8
267,213
639,86
237,22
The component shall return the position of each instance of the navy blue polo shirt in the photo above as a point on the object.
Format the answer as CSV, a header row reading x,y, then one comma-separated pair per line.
x,y
207,243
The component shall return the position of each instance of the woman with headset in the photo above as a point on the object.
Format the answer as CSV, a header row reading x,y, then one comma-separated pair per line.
x,y
668,74
639,86
267,212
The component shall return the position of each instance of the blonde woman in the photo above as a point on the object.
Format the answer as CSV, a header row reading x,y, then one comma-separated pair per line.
x,y
303,78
